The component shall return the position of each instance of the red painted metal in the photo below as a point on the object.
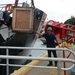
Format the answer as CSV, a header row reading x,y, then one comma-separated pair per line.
x,y
64,62
69,53
62,30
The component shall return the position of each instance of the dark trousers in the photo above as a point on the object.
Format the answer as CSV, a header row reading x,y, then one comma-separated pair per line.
x,y
54,54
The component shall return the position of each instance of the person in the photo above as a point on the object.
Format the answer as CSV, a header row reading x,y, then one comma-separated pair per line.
x,y
50,43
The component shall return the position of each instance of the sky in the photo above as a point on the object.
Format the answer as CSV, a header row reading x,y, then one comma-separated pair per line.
x,y
57,10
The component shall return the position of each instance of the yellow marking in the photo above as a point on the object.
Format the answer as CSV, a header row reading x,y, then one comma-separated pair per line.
x,y
65,44
55,72
25,70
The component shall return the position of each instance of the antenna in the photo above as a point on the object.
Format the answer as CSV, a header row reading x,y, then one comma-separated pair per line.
x,y
26,1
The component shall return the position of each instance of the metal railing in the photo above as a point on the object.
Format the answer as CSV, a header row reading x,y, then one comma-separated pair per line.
x,y
7,57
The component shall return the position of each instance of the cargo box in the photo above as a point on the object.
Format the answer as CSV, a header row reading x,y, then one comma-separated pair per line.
x,y
22,20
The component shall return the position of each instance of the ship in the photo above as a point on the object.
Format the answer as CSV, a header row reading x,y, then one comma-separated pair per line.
x,y
18,25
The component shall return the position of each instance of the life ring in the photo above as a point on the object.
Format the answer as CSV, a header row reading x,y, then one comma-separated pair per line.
x,y
9,8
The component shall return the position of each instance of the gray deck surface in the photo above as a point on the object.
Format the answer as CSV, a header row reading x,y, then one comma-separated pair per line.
x,y
38,71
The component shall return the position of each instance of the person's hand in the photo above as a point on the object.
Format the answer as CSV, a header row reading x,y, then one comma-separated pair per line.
x,y
34,31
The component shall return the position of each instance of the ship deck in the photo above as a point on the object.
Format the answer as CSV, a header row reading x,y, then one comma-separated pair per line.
x,y
43,71
39,71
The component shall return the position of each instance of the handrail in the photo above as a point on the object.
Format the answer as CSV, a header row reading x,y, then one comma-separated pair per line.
x,y
35,48
36,58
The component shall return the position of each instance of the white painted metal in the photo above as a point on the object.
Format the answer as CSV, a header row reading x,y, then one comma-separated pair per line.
x,y
7,57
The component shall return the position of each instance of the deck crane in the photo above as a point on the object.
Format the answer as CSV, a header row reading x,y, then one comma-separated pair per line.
x,y
61,30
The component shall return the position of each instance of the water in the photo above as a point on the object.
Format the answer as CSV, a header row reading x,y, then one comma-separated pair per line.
x,y
38,53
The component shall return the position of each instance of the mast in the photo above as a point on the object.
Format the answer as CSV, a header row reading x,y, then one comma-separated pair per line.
x,y
16,2
32,2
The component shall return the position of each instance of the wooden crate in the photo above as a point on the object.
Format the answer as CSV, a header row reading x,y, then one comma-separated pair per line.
x,y
23,20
